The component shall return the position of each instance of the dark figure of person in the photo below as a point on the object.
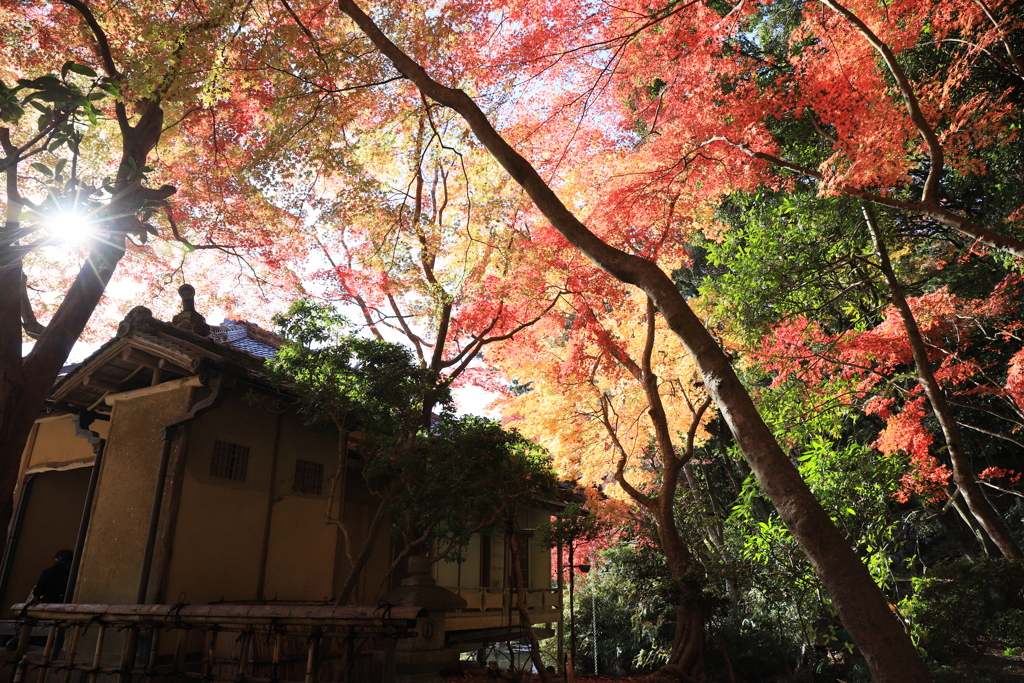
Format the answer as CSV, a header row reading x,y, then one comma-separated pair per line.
x,y
53,581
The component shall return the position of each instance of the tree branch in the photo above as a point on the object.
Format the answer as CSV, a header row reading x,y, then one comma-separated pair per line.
x,y
33,328
933,211
1018,69
620,469
930,194
691,432
991,433
417,342
306,31
102,44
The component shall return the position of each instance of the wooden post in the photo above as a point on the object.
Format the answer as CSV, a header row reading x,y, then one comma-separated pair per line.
x,y
211,651
154,645
69,661
243,655
389,661
23,640
311,654
560,641
275,660
98,654
128,650
44,663
179,652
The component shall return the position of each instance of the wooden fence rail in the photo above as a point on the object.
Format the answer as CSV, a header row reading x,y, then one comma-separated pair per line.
x,y
236,643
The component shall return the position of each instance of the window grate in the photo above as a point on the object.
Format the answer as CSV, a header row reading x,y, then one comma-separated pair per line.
x,y
230,460
309,477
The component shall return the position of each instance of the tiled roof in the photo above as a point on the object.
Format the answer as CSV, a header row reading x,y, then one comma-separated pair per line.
x,y
238,346
246,336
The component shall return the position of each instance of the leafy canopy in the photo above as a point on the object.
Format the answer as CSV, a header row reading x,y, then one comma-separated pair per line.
x,y
346,380
444,476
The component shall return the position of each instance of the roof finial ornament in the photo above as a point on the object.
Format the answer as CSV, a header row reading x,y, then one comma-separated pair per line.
x,y
189,319
139,318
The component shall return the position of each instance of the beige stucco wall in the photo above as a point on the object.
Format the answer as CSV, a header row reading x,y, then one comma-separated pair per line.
x,y
117,533
467,573
540,555
306,558
52,514
300,558
217,542
218,539
300,562
55,446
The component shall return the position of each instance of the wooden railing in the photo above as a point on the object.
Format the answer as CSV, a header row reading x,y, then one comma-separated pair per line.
x,y
239,643
485,599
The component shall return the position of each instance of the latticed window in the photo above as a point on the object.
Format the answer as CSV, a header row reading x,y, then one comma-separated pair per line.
x,y
309,477
230,460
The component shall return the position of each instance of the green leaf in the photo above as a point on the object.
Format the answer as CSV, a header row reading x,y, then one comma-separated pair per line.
x,y
42,168
108,87
11,112
43,82
80,69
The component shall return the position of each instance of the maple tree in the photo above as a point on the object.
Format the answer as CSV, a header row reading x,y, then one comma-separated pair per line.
x,y
861,606
839,337
437,262
63,107
695,101
870,363
832,77
962,473
595,396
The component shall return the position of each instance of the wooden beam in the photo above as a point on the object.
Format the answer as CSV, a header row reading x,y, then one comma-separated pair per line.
x,y
132,355
100,384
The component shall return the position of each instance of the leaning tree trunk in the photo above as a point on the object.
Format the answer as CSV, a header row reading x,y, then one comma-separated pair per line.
x,y
686,660
864,611
25,382
963,474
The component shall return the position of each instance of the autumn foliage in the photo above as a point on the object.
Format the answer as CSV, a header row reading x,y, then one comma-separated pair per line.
x,y
719,154
967,338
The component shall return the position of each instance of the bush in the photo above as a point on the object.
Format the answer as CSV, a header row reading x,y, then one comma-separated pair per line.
x,y
965,604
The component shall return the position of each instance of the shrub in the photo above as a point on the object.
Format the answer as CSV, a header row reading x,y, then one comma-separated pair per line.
x,y
964,604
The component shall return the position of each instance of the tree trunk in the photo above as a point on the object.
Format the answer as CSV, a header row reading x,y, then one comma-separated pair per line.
x,y
864,611
360,563
524,613
16,421
963,474
26,382
686,660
